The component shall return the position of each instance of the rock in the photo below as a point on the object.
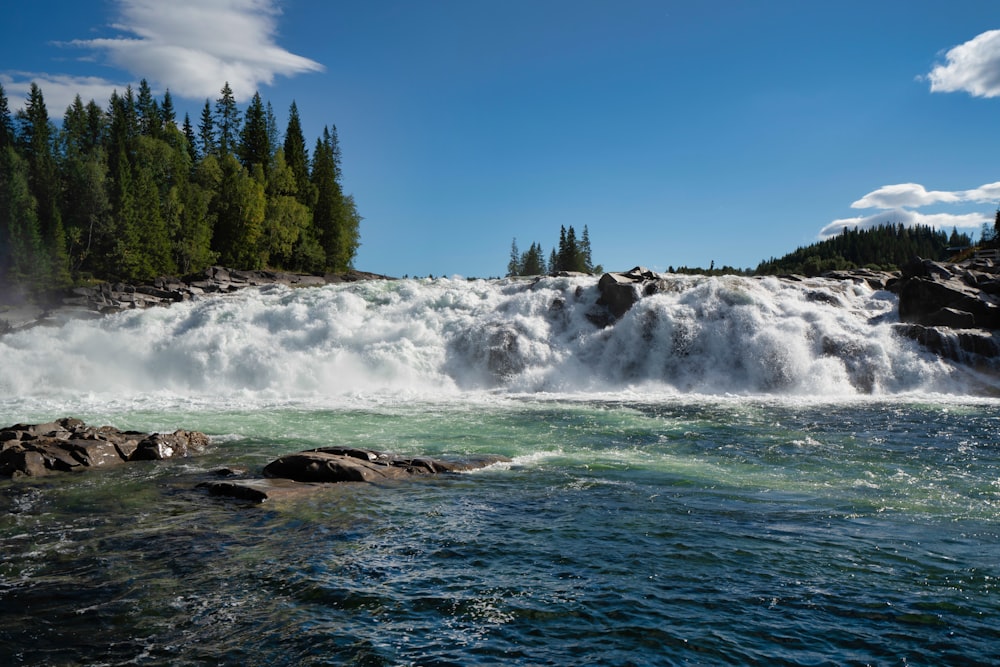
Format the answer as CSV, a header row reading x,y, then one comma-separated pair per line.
x,y
69,445
258,490
342,464
965,346
620,291
957,296
159,446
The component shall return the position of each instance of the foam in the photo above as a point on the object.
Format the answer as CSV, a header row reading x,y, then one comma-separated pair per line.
x,y
422,339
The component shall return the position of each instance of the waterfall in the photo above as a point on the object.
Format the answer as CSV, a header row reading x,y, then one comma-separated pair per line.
x,y
713,335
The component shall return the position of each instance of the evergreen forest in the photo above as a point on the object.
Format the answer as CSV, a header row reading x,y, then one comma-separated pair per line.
x,y
886,247
127,193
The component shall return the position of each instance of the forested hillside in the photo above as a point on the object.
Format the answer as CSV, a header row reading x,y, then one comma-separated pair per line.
x,y
886,247
126,193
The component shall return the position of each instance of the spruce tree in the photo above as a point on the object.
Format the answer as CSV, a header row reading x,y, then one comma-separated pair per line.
x,y
297,157
255,147
514,263
147,111
206,131
227,120
192,145
167,113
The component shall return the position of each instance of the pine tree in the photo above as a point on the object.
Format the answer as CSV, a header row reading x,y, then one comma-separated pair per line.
x,y
192,145
206,131
514,264
297,157
335,219
273,139
147,111
227,120
167,113
255,147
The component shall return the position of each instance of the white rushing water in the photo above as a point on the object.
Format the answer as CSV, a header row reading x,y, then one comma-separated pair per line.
x,y
433,339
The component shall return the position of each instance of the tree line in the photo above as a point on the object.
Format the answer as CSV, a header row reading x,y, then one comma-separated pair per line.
x,y
125,193
887,247
570,255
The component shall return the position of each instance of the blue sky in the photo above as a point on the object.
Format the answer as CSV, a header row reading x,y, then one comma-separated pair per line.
x,y
678,132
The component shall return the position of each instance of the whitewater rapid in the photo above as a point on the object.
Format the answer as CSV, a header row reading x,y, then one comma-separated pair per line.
x,y
437,338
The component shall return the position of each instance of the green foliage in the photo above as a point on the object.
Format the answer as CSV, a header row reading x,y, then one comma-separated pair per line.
x,y
22,257
125,194
886,247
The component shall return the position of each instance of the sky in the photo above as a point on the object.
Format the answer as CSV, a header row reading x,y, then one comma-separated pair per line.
x,y
678,132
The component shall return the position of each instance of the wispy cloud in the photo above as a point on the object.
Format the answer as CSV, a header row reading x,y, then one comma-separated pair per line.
x,y
193,46
914,195
189,46
972,67
907,218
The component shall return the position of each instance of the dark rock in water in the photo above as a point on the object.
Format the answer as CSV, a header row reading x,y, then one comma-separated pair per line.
x,y
966,346
620,291
307,471
257,490
69,445
344,464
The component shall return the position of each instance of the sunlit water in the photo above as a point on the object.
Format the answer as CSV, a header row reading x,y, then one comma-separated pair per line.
x,y
736,472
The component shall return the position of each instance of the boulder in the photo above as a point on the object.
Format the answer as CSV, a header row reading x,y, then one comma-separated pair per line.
x,y
620,291
345,464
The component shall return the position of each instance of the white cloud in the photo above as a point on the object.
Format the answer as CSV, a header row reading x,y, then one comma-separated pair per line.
x,y
972,67
908,219
191,47
914,195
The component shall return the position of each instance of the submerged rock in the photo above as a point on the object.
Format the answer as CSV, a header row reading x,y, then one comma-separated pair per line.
x,y
69,445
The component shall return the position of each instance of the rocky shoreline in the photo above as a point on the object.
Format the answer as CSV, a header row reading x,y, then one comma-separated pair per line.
x,y
68,445
106,298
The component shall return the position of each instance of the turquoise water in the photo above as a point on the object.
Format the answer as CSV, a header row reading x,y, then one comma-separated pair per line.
x,y
659,509
623,533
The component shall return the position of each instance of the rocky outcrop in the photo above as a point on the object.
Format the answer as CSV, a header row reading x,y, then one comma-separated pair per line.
x,y
301,472
69,445
961,296
108,297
